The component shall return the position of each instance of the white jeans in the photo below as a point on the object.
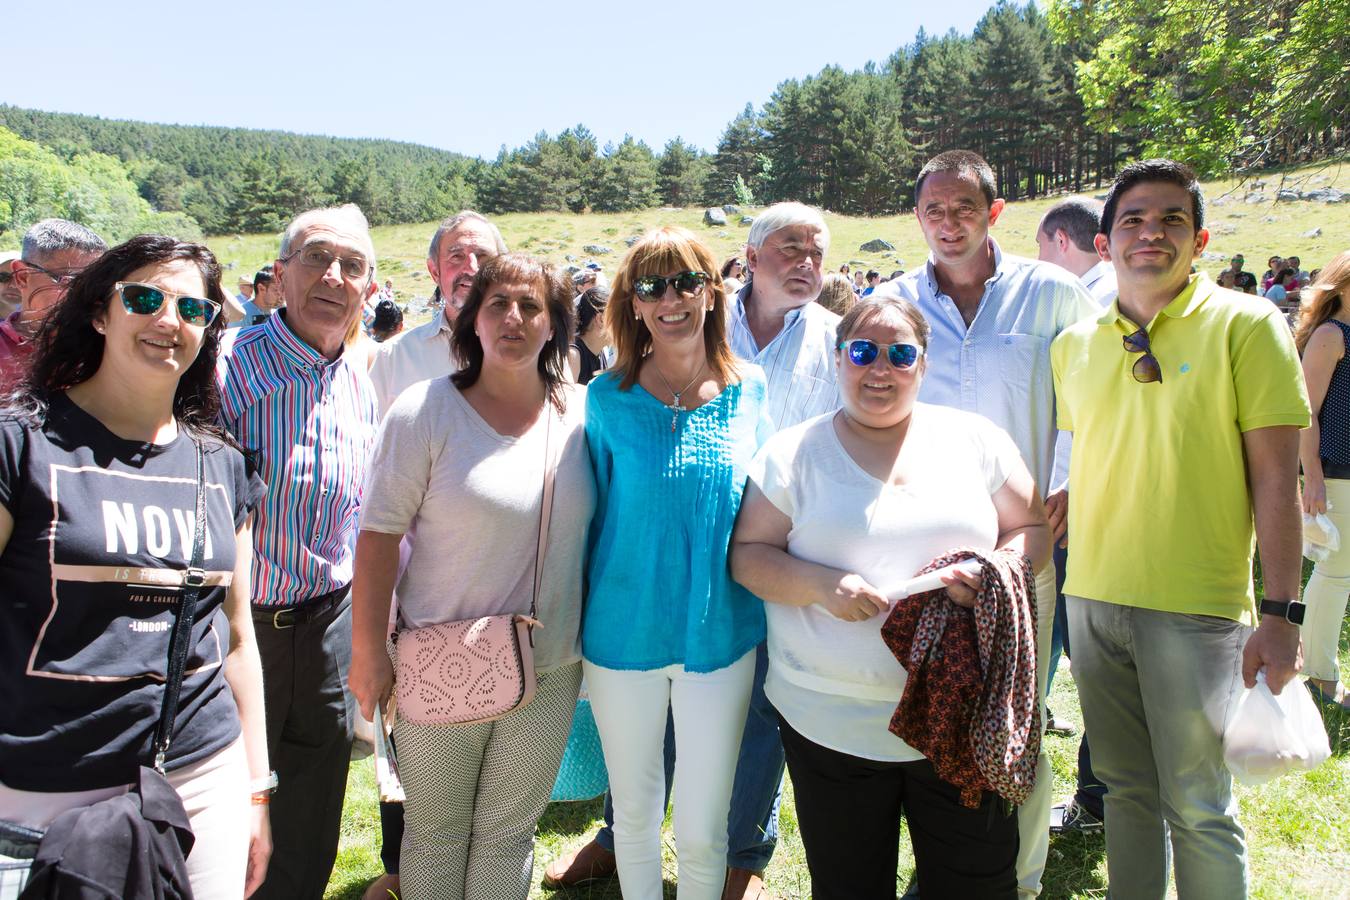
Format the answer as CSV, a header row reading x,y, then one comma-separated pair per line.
x,y
709,711
1327,591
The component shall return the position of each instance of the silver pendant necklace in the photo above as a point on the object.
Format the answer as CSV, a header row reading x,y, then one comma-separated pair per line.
x,y
674,406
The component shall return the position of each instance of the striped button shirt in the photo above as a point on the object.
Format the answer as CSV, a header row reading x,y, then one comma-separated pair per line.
x,y
312,424
798,362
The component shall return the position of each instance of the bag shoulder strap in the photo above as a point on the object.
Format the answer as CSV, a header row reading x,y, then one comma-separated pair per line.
x,y
545,506
193,580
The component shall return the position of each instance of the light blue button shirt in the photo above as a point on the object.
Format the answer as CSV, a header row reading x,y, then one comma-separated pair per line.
x,y
999,366
798,362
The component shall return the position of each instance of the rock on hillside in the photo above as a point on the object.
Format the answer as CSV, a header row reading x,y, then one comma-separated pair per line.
x,y
714,216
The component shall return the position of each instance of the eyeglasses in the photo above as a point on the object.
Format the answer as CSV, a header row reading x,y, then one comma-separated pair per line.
x,y
1146,367
62,280
862,352
147,300
6,277
653,287
313,256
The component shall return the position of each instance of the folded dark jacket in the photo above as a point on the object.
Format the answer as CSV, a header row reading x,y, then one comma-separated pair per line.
x,y
970,703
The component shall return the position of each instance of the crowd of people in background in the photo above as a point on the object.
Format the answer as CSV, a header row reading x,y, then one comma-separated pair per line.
x,y
713,485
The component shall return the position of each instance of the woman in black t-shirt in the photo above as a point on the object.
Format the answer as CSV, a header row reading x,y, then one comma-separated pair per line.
x,y
97,506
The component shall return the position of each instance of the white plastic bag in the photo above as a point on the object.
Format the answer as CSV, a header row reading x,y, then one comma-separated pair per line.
x,y
1268,736
1321,538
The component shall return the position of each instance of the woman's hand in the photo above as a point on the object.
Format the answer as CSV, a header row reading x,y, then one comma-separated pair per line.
x,y
962,587
852,599
1314,495
259,847
371,679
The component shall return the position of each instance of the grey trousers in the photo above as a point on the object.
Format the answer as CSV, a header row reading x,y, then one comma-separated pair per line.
x,y
475,794
309,743
1156,688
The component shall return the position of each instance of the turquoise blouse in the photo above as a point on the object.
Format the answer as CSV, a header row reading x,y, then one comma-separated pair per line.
x,y
660,592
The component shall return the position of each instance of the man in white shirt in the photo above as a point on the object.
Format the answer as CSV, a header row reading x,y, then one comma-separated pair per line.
x,y
993,316
461,244
1066,238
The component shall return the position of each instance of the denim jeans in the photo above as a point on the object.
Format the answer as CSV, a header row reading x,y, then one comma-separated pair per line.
x,y
1156,688
752,825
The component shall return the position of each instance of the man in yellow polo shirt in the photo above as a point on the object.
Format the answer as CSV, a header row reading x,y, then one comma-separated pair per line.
x,y
1185,401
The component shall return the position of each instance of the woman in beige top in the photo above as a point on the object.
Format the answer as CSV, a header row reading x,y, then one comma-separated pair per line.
x,y
458,474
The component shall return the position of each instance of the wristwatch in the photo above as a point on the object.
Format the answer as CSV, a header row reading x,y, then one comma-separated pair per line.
x,y
1291,611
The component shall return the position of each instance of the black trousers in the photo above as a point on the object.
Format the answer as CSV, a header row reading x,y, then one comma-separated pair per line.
x,y
309,742
849,811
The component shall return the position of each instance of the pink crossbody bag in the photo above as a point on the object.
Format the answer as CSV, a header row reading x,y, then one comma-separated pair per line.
x,y
474,670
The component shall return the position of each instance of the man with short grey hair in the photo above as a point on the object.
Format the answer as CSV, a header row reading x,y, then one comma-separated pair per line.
x,y
304,408
1067,237
54,252
461,244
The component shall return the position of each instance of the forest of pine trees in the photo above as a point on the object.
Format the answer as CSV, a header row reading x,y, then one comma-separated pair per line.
x,y
1053,100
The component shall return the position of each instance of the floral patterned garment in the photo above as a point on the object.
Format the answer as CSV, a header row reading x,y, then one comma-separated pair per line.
x,y
970,701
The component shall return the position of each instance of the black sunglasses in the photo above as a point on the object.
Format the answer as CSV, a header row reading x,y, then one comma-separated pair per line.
x,y
653,287
862,352
147,300
1146,368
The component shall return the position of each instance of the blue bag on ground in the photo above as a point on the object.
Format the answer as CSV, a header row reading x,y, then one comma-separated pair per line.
x,y
582,774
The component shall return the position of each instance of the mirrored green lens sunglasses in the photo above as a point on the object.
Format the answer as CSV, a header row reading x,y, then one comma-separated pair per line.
x,y
147,300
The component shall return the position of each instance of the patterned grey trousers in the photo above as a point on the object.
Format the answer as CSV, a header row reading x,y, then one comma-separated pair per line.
x,y
475,794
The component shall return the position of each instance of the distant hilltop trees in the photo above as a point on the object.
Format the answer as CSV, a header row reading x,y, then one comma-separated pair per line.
x,y
1055,101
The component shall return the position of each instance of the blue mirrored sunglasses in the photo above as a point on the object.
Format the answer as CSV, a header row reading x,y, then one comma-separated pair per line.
x,y
862,352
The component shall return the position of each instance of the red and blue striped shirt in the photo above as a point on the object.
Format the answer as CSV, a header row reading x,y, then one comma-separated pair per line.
x,y
311,423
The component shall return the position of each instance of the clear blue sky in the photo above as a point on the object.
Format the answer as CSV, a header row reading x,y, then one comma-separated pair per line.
x,y
462,77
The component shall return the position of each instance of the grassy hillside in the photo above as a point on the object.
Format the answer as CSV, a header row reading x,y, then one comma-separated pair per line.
x,y
1257,230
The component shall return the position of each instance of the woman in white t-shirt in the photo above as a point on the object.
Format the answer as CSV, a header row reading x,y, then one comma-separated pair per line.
x,y
839,510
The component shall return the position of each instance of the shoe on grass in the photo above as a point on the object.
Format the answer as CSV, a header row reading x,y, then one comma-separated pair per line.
x,y
591,863
1071,816
1061,727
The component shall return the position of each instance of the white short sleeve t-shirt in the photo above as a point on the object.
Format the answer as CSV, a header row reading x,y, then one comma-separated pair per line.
x,y
836,682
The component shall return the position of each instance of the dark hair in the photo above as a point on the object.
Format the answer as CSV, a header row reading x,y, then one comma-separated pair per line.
x,y
726,266
870,308
68,351
1146,171
388,320
591,306
961,162
522,269
896,274
264,276
1081,220
872,273
1284,273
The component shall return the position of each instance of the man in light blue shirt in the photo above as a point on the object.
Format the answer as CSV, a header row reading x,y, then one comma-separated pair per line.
x,y
993,316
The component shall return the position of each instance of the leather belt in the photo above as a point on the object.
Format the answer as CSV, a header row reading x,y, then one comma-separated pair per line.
x,y
299,613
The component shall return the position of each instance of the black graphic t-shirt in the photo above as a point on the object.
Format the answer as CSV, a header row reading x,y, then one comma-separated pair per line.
x,y
89,586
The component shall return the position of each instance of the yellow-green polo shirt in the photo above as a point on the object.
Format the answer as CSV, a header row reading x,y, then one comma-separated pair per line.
x,y
1160,513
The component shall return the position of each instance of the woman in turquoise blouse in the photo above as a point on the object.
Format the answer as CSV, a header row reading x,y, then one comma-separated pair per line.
x,y
671,429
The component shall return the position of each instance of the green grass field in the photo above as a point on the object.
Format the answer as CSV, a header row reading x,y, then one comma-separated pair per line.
x,y
1257,230
1298,830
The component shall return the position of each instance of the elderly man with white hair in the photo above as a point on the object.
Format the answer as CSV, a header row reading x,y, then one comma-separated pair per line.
x,y
774,323
305,409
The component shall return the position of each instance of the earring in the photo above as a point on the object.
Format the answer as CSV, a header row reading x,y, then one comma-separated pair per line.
x,y
98,329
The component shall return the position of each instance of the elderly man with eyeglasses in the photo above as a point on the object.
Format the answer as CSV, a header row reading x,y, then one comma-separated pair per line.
x,y
304,407
54,252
